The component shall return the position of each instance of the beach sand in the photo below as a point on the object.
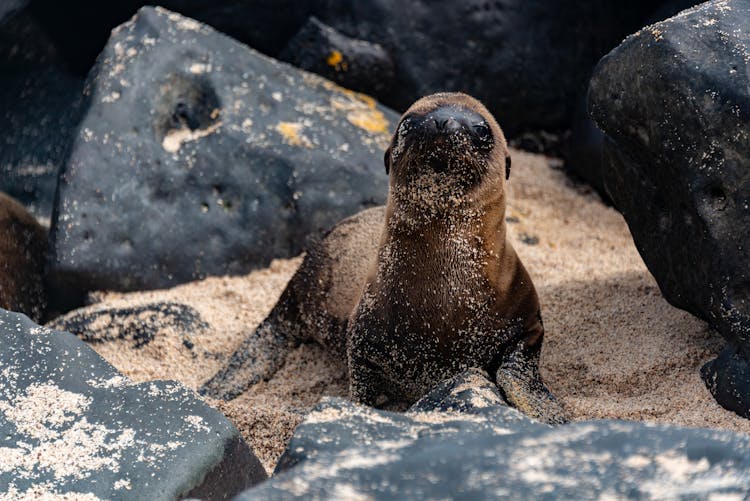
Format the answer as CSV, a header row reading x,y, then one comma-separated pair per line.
x,y
614,348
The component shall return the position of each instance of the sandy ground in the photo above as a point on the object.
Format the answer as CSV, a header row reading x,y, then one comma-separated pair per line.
x,y
614,347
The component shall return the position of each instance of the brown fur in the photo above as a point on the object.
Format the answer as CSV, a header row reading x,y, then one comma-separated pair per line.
x,y
23,242
419,291
448,291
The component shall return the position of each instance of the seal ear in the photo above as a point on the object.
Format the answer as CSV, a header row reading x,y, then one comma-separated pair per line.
x,y
387,160
507,166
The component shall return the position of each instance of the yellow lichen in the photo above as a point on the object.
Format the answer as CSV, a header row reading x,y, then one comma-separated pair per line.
x,y
292,134
336,60
369,120
361,109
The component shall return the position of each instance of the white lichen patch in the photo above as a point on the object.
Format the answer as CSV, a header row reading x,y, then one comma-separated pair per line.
x,y
198,423
123,483
723,6
200,68
182,23
38,330
175,138
111,97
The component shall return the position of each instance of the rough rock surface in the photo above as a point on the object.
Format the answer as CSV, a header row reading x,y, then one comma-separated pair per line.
x,y
674,102
23,243
70,424
583,147
351,63
199,156
81,29
475,447
39,108
525,60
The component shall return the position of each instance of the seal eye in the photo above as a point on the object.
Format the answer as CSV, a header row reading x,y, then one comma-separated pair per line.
x,y
483,132
482,136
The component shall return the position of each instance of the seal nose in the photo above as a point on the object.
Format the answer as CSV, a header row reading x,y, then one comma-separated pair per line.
x,y
447,125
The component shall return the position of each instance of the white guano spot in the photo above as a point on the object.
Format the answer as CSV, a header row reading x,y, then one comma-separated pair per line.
x,y
176,137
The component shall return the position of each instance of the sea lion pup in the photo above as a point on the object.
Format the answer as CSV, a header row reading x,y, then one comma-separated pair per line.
x,y
439,290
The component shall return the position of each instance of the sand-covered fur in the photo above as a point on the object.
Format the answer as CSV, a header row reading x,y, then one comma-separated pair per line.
x,y
441,291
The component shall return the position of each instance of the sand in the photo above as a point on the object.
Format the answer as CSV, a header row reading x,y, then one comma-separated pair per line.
x,y
614,348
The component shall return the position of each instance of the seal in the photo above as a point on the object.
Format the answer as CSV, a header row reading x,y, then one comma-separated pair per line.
x,y
23,246
423,289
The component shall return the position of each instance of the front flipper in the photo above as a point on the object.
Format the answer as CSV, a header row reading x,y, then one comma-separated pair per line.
x,y
259,356
519,379
366,383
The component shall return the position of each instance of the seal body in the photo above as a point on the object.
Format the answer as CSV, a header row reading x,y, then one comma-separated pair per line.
x,y
448,291
427,287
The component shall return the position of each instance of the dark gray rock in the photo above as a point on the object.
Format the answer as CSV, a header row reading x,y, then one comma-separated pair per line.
x,y
674,102
583,148
9,6
71,424
583,152
80,28
351,63
39,109
23,247
198,156
476,448
525,60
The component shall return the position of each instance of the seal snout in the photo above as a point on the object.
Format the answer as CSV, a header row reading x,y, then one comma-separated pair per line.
x,y
451,123
447,125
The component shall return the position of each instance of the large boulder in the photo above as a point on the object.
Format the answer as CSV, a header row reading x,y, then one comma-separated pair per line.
x,y
583,146
81,27
674,103
351,63
71,425
198,156
461,442
23,247
525,60
39,108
